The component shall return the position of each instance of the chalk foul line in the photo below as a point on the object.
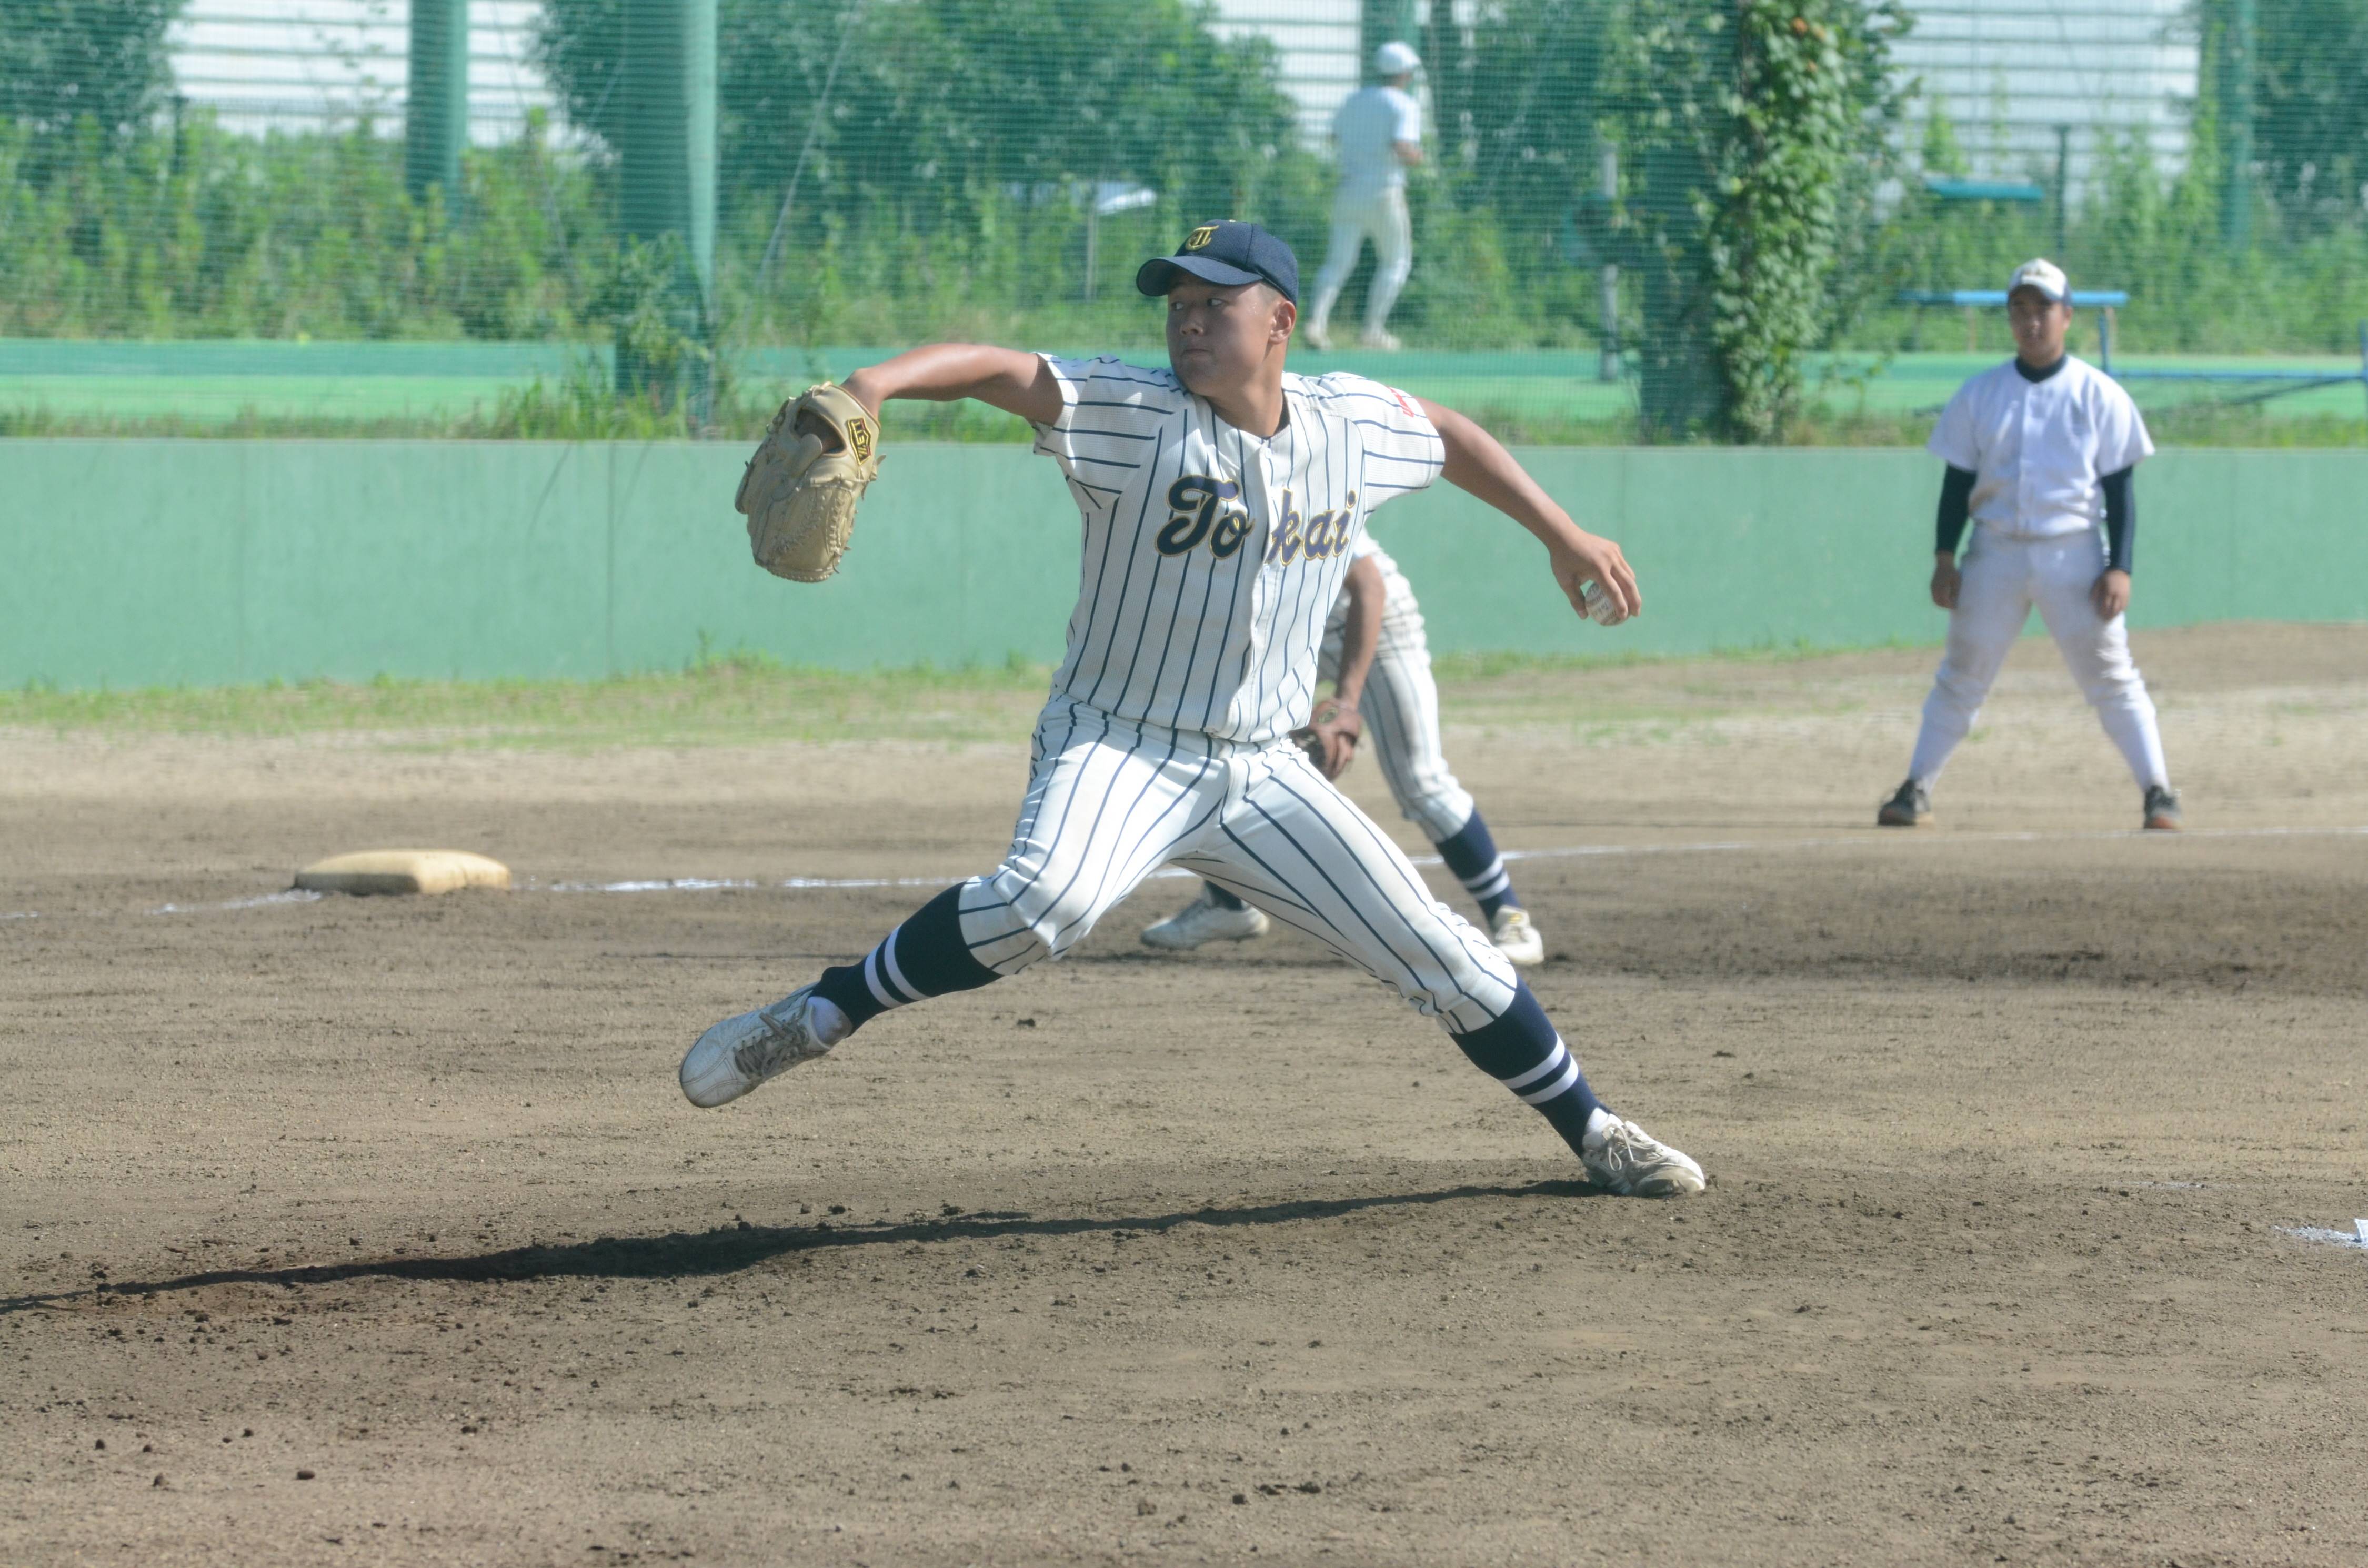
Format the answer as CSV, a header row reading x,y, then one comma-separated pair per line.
x,y
1557,852
1560,852
293,895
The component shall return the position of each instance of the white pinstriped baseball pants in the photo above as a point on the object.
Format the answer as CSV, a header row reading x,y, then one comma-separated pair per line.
x,y
1109,803
1401,712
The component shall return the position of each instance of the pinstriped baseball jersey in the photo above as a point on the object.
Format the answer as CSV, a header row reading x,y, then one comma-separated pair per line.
x,y
1212,557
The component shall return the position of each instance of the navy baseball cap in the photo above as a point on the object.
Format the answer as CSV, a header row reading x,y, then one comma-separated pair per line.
x,y
1225,254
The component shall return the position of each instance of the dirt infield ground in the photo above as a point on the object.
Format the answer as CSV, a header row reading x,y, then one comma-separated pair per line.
x,y
376,1230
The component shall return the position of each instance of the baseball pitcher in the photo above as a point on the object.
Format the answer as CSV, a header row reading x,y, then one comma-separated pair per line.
x,y
1223,497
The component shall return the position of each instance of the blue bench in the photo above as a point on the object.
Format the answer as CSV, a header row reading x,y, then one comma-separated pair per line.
x,y
2269,382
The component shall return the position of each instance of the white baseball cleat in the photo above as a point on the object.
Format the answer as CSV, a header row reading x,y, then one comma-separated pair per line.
x,y
1516,938
1204,920
1374,337
1317,338
1633,1163
741,1052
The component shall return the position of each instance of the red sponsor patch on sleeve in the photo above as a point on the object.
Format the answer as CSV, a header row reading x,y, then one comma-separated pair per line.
x,y
1406,402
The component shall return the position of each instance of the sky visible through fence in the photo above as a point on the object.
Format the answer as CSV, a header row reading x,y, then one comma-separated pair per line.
x,y
226,211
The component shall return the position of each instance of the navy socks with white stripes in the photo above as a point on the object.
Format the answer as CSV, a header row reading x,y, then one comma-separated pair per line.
x,y
1522,1052
1471,854
928,956
924,957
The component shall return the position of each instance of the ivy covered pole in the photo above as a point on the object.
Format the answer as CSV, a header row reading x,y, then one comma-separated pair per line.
x,y
436,100
1753,133
1775,241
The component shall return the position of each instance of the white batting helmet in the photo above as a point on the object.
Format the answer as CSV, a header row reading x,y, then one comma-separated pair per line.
x,y
1396,58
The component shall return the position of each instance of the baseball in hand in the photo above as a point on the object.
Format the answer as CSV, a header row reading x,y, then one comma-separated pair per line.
x,y
1601,607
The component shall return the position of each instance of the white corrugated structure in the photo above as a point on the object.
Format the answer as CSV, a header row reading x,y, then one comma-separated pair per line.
x,y
2007,75
303,64
1317,43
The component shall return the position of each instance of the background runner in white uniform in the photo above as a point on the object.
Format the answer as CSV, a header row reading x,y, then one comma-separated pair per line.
x,y
1378,132
1218,519
1398,700
2040,453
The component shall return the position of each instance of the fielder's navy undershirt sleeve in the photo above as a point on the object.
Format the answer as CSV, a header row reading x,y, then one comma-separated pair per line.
x,y
1956,506
2121,520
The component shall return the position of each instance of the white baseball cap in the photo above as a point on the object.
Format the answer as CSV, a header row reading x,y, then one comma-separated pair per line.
x,y
1396,58
2043,275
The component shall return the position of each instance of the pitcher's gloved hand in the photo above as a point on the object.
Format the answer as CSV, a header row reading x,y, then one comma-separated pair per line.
x,y
802,485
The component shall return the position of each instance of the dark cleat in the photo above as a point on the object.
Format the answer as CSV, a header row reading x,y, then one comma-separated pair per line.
x,y
1912,807
2161,809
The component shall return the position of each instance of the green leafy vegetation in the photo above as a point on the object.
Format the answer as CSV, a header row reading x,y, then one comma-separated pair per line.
x,y
889,175
581,407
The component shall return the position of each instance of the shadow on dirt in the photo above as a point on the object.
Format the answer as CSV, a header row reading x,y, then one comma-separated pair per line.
x,y
729,1248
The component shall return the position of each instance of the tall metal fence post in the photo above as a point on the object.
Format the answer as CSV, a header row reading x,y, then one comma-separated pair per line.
x,y
2235,84
1606,186
1380,21
436,100
667,183
2063,194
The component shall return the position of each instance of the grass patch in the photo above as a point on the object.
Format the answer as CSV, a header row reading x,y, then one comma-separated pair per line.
x,y
750,699
736,700
1466,668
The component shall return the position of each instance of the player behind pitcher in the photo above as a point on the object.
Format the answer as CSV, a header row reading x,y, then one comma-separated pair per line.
x,y
1222,498
2040,451
1379,662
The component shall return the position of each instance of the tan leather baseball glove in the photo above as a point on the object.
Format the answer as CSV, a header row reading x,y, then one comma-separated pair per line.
x,y
802,486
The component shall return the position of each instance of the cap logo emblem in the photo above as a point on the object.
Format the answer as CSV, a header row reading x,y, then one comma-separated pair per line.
x,y
1199,238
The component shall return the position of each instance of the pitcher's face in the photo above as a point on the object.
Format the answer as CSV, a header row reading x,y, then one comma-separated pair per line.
x,y
1218,336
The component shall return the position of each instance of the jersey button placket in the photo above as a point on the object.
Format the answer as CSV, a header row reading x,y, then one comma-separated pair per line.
x,y
2033,417
1261,538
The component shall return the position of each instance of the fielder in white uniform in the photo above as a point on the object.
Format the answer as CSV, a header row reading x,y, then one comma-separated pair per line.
x,y
1221,499
2040,453
1378,132
1376,657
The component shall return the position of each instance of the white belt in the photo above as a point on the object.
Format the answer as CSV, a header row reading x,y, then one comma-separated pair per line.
x,y
2021,536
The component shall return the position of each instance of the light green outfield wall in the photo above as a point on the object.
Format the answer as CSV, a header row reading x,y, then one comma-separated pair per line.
x,y
135,563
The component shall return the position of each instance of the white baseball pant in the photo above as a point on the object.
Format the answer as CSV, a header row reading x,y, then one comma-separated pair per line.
x,y
1382,219
1109,803
1401,712
2000,579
